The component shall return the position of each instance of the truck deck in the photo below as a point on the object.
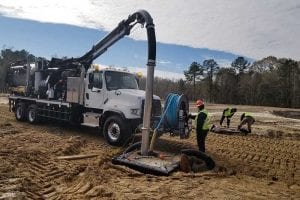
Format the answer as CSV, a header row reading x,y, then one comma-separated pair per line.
x,y
57,102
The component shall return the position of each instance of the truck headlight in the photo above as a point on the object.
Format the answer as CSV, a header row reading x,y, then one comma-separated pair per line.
x,y
135,111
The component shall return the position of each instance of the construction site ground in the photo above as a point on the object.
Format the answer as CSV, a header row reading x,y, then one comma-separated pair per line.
x,y
262,165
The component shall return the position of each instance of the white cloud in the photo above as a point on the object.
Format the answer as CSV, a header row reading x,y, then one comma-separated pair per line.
x,y
252,28
163,62
158,73
224,62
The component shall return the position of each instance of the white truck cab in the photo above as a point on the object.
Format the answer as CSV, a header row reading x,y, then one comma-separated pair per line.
x,y
112,99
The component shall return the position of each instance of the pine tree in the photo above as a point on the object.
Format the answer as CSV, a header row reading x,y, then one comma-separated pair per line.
x,y
194,73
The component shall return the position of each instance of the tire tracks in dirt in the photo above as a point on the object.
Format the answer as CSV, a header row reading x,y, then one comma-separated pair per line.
x,y
258,156
261,157
38,176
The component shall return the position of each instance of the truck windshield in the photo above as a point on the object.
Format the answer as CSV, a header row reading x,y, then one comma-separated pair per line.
x,y
120,80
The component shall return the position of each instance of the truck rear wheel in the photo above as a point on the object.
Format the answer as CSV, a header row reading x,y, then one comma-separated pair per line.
x,y
21,114
116,131
32,114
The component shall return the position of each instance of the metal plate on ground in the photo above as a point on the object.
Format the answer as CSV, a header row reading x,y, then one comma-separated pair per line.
x,y
164,164
224,130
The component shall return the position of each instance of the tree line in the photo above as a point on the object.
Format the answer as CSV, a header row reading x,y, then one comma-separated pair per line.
x,y
270,81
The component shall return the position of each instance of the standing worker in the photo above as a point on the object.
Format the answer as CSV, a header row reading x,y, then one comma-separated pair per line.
x,y
228,113
246,118
202,124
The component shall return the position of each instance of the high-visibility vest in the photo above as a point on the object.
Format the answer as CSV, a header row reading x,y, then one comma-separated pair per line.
x,y
227,113
206,122
248,115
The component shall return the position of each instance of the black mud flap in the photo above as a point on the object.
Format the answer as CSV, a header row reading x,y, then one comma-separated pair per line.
x,y
210,163
162,165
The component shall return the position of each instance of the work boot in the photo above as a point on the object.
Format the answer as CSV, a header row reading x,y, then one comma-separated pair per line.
x,y
244,131
185,164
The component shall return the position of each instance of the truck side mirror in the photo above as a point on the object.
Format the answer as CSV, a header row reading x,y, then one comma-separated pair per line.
x,y
90,86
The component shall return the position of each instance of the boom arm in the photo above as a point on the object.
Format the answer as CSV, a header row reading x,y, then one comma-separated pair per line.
x,y
119,32
124,27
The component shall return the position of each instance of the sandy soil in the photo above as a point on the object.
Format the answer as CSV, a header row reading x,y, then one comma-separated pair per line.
x,y
262,165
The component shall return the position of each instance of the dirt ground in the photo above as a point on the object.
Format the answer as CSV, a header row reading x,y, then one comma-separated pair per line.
x,y
262,165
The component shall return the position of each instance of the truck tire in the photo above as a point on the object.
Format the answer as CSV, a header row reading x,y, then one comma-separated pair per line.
x,y
116,131
32,114
20,113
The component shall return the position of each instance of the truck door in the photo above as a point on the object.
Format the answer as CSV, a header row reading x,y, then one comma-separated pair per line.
x,y
94,90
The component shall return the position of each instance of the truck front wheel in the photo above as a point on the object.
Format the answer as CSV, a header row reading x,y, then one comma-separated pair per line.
x,y
20,112
116,131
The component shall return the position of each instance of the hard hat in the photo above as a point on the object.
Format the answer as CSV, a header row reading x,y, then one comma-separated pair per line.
x,y
199,103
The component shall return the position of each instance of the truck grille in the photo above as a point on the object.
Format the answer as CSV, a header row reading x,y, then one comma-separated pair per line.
x,y
156,108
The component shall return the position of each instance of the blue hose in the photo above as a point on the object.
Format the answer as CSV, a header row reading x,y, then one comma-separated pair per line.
x,y
170,117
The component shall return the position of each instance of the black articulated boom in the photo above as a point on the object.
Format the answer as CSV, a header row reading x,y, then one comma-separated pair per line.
x,y
140,17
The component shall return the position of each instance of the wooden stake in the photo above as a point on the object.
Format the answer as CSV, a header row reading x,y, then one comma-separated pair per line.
x,y
76,157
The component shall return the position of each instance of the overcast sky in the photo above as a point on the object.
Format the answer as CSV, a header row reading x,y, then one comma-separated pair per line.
x,y
186,31
255,28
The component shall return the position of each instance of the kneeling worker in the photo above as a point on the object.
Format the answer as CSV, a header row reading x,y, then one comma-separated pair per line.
x,y
202,124
246,118
228,113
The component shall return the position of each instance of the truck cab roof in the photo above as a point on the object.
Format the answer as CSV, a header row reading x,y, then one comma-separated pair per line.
x,y
95,67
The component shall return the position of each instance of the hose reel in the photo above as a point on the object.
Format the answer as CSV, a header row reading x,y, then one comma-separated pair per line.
x,y
174,119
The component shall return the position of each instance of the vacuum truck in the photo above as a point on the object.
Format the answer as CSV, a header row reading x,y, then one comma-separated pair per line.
x,y
76,91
